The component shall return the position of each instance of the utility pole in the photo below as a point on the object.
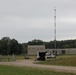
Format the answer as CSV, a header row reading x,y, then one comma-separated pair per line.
x,y
55,30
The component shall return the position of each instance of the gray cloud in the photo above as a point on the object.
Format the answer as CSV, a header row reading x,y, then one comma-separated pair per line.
x,y
34,19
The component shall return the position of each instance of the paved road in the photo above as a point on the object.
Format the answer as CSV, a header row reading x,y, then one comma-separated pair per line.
x,y
30,63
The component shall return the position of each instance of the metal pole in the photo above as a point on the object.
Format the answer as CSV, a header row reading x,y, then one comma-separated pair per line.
x,y
55,31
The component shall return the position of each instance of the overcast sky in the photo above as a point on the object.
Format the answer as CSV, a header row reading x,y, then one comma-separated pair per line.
x,y
26,20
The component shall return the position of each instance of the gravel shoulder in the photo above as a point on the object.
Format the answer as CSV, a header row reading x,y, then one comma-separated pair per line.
x,y
30,63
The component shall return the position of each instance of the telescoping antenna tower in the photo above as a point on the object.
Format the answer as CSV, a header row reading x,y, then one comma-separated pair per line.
x,y
55,30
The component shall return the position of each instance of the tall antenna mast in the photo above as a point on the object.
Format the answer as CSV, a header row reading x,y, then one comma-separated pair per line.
x,y
55,29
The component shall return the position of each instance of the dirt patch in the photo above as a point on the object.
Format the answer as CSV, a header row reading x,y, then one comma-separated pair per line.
x,y
30,63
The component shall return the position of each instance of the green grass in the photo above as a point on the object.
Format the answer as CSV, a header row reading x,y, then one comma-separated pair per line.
x,y
65,60
18,57
13,70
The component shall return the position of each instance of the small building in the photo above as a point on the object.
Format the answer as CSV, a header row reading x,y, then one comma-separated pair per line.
x,y
33,49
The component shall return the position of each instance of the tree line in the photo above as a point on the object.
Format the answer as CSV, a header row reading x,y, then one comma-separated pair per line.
x,y
50,45
9,46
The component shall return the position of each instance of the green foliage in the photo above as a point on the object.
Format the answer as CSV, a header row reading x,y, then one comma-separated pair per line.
x,y
61,44
12,70
35,42
9,46
4,44
14,45
66,46
24,46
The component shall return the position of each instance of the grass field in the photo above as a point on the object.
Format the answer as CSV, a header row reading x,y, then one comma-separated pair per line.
x,y
5,58
64,60
12,70
18,57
